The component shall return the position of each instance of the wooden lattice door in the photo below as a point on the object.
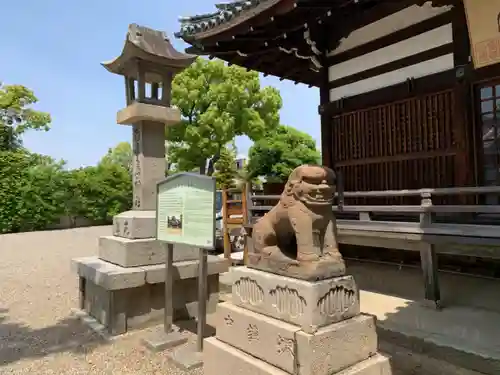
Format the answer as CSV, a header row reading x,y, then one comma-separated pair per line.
x,y
408,144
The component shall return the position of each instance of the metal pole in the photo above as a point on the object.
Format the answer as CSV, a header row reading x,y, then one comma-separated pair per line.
x,y
202,298
169,310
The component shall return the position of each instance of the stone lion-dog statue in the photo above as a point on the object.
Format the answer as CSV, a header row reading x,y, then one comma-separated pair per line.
x,y
297,237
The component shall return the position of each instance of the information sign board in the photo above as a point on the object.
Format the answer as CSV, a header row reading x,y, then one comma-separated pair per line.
x,y
185,212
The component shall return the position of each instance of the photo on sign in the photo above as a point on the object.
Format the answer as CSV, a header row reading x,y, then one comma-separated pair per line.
x,y
174,224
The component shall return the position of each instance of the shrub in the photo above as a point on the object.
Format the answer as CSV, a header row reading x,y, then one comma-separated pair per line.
x,y
36,191
32,191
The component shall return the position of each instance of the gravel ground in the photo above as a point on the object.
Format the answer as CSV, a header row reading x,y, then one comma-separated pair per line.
x,y
38,335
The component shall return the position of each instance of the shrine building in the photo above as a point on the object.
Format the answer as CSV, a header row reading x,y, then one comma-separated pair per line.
x,y
409,90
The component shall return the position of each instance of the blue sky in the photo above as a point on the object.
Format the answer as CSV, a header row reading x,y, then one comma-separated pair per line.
x,y
55,47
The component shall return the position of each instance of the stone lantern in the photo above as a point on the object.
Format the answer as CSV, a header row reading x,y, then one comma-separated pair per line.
x,y
148,63
122,288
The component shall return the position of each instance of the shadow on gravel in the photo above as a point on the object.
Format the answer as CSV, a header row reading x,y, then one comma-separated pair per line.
x,y
18,341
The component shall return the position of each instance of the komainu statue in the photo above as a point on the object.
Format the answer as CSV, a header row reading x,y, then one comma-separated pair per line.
x,y
297,238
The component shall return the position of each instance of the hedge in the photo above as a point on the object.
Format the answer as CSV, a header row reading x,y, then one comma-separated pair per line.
x,y
36,191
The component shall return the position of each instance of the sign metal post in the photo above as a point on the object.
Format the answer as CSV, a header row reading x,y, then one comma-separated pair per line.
x,y
186,215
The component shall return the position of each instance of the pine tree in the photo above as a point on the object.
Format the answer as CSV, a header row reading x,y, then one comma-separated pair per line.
x,y
225,168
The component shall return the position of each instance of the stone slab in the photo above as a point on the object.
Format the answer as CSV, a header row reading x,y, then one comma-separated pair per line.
x,y
268,339
135,224
137,112
220,358
307,304
186,269
336,346
114,277
126,252
158,340
108,275
377,365
187,358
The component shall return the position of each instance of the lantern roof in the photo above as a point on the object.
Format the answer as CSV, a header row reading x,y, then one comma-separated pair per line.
x,y
149,47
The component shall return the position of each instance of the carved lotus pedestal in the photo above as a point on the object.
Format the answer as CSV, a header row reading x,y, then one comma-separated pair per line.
x,y
281,325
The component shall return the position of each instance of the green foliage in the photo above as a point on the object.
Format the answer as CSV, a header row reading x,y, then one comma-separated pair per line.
x,y
122,155
16,116
33,191
217,103
225,168
275,156
36,191
100,192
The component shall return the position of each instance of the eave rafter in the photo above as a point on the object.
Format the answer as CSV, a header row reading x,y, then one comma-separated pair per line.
x,y
287,33
292,38
278,64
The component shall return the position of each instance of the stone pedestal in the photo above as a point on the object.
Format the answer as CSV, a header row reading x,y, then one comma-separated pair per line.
x,y
123,287
126,298
280,325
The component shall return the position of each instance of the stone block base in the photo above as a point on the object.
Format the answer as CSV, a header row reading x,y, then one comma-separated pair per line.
x,y
286,346
220,358
310,305
325,268
127,252
135,224
130,298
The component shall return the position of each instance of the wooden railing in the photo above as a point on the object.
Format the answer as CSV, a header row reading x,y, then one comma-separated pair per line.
x,y
472,230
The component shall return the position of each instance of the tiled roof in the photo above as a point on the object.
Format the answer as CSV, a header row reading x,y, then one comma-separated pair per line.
x,y
225,12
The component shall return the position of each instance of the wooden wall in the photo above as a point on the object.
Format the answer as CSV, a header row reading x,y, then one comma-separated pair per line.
x,y
397,115
405,144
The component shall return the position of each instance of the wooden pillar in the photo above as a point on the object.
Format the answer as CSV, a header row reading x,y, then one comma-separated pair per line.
x,y
462,111
247,222
324,98
225,229
428,258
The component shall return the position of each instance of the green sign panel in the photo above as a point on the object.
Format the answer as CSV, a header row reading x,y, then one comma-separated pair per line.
x,y
185,212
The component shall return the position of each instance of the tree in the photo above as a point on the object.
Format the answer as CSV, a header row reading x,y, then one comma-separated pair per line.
x,y
275,156
33,191
225,168
37,191
122,155
217,103
100,192
16,116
